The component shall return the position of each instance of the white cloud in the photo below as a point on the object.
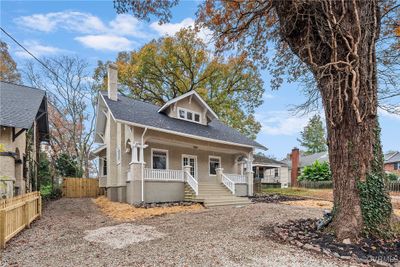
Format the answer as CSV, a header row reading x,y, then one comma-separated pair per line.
x,y
69,20
124,24
384,113
38,50
171,28
268,96
282,122
106,42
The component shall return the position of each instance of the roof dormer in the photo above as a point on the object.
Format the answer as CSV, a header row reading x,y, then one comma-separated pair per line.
x,y
189,107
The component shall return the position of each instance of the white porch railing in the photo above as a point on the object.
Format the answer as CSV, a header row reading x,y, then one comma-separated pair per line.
x,y
237,178
228,183
192,182
163,175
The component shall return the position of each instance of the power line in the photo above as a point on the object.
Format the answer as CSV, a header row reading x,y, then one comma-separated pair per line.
x,y
27,51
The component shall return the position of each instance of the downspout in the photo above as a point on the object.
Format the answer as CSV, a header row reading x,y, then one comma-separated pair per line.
x,y
142,161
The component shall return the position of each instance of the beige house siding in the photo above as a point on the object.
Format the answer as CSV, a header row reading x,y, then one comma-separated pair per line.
x,y
8,167
188,104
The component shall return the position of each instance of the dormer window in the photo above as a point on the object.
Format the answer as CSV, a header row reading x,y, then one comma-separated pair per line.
x,y
188,115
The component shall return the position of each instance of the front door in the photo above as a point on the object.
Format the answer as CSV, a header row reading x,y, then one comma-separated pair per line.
x,y
192,162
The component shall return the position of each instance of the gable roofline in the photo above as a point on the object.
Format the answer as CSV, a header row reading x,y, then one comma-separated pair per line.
x,y
176,132
192,92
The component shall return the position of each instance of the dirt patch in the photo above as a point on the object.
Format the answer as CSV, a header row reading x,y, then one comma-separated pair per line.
x,y
126,212
310,203
123,235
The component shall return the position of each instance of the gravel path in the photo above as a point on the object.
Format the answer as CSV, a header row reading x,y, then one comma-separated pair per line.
x,y
226,236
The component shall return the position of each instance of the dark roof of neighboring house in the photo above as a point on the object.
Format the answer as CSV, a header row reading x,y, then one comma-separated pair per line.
x,y
19,106
307,160
146,114
392,157
263,160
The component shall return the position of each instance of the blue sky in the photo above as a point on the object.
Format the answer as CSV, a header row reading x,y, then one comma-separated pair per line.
x,y
93,30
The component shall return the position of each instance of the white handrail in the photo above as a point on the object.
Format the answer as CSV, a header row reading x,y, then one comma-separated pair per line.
x,y
237,178
228,183
192,182
163,175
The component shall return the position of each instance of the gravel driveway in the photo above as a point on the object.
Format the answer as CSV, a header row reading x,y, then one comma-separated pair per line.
x,y
226,236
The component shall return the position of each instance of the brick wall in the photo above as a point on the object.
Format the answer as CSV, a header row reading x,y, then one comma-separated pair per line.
x,y
390,168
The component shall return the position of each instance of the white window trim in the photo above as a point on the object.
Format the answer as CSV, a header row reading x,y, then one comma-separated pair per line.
x,y
197,163
186,111
118,155
160,150
209,160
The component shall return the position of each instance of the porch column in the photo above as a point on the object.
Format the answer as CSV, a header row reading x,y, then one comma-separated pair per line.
x,y
219,174
134,152
250,177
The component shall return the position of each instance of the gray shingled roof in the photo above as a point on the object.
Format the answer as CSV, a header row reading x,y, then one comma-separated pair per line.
x,y
307,160
392,157
19,105
147,114
258,159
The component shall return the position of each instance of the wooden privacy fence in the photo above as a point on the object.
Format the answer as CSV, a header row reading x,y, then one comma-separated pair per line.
x,y
17,213
315,184
80,187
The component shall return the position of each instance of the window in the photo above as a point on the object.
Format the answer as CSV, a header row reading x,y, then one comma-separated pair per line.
x,y
276,172
189,115
104,169
396,165
159,159
182,114
118,151
214,164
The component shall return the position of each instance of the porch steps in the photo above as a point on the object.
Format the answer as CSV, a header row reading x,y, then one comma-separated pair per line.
x,y
214,194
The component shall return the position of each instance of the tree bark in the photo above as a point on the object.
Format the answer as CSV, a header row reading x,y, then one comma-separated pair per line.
x,y
336,39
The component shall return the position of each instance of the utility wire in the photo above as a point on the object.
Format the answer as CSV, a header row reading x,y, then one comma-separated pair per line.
x,y
27,51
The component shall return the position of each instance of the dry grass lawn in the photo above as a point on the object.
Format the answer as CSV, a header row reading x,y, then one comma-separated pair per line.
x,y
319,198
126,212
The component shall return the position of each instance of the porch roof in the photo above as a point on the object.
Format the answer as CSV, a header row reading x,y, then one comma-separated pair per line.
x,y
146,115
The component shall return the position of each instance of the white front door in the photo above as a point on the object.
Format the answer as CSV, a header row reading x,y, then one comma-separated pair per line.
x,y
192,162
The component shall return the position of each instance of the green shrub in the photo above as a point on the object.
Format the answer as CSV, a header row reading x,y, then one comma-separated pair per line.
x,y
49,193
316,172
391,177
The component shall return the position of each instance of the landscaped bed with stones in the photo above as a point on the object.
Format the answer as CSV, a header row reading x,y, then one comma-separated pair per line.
x,y
274,198
304,233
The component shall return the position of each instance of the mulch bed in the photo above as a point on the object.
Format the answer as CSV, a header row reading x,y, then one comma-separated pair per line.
x,y
304,234
274,198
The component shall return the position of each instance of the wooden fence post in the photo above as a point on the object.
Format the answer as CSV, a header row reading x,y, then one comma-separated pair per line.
x,y
26,214
40,205
2,229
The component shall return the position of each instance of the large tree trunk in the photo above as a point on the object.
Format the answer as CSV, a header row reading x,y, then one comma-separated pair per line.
x,y
336,39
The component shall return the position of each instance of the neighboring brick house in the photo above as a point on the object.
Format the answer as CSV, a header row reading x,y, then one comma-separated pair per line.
x,y
392,162
23,126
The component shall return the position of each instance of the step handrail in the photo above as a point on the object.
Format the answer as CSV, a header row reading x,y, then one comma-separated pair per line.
x,y
192,182
228,183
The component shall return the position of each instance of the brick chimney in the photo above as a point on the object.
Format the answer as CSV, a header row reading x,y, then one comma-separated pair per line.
x,y
295,157
112,72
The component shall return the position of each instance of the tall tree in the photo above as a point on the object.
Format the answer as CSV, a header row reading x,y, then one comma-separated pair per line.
x,y
72,99
313,136
334,42
170,66
8,67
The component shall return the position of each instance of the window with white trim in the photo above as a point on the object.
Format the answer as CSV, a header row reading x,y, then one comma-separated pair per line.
x,y
214,163
118,151
159,159
189,115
